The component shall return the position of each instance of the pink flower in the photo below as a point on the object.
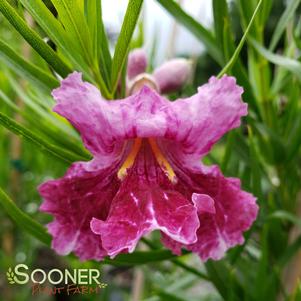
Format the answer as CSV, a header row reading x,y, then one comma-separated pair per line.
x,y
146,173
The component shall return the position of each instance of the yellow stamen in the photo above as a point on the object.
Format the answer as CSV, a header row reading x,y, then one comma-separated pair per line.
x,y
162,160
164,164
130,159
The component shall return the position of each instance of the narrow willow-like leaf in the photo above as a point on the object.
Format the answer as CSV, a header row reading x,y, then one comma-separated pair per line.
x,y
140,257
105,58
23,220
221,23
220,276
99,38
177,262
262,267
282,23
41,143
228,151
47,124
285,216
241,43
75,25
287,63
195,28
50,56
6,99
294,139
71,14
290,251
169,296
26,69
190,269
265,12
124,39
53,28
255,167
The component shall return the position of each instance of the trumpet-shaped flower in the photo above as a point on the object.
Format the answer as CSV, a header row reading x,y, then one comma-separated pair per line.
x,y
146,173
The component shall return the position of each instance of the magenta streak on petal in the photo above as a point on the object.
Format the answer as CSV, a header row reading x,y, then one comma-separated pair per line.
x,y
146,201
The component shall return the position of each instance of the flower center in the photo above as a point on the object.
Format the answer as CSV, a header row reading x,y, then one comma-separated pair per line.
x,y
162,161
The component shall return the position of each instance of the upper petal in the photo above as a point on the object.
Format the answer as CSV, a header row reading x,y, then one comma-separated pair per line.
x,y
206,116
82,104
195,123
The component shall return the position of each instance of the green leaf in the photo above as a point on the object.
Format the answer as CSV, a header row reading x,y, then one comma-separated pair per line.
x,y
45,123
287,63
41,143
190,269
265,12
23,220
99,38
255,167
289,252
140,257
262,268
169,296
286,216
26,69
56,33
50,56
75,25
241,43
294,139
199,31
221,23
228,151
283,21
124,39
10,103
71,14
224,280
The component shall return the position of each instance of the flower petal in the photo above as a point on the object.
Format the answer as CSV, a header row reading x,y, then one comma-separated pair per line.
x,y
84,192
206,116
196,123
146,201
81,103
222,228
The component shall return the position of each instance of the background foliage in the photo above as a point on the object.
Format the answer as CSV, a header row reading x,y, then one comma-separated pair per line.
x,y
259,42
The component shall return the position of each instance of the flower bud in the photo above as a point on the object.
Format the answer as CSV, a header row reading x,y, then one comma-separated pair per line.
x,y
137,63
173,75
